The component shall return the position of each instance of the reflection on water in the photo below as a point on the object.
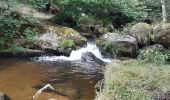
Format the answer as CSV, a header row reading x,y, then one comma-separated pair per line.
x,y
21,78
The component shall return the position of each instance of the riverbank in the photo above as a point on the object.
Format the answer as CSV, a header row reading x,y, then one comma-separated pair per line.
x,y
134,80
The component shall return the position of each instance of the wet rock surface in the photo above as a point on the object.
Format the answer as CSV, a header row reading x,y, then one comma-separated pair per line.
x,y
90,57
123,45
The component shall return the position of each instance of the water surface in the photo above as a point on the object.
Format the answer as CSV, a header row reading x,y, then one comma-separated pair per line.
x,y
21,78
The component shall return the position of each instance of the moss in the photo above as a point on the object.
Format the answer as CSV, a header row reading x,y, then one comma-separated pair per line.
x,y
64,31
67,44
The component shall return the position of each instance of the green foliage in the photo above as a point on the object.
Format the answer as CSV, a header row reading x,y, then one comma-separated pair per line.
x,y
88,20
153,8
107,10
67,44
153,56
2,42
108,47
29,35
10,26
37,3
13,26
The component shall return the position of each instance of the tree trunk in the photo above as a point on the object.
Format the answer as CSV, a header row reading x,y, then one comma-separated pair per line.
x,y
8,4
163,11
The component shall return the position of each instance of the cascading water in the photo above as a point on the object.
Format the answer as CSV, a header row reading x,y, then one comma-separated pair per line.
x,y
77,54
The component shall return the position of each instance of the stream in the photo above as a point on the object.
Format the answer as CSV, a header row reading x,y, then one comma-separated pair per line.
x,y
72,78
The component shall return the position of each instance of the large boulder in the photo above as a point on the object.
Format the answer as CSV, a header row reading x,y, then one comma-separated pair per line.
x,y
123,45
142,32
162,34
62,39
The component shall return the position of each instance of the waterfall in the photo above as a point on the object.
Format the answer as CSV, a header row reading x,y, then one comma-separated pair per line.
x,y
77,54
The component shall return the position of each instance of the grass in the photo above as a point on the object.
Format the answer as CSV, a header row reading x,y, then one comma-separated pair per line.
x,y
134,80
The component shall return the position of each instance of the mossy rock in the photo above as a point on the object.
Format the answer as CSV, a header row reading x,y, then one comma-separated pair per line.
x,y
142,32
70,34
60,38
65,31
114,43
162,34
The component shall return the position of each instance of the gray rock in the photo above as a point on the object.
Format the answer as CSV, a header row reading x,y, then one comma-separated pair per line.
x,y
125,45
142,32
162,34
58,38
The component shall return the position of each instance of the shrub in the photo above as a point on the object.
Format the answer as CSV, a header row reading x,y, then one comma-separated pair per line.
x,y
109,47
16,49
37,3
153,56
12,27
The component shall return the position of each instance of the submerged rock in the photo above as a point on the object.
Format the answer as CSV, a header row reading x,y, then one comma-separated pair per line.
x,y
4,97
123,45
162,34
90,57
142,32
1,96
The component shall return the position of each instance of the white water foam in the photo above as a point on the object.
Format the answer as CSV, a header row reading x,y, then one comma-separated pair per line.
x,y
77,54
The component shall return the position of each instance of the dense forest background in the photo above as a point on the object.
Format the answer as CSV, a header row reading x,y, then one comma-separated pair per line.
x,y
115,15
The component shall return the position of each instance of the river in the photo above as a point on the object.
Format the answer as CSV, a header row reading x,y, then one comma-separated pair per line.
x,y
21,78
71,77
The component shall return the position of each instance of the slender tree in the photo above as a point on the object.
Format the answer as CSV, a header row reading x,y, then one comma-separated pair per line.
x,y
8,3
164,16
